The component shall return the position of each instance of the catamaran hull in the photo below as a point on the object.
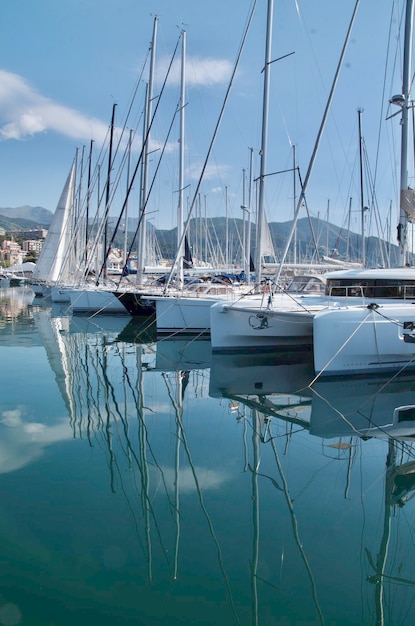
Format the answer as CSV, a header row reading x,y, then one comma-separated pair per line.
x,y
235,328
364,339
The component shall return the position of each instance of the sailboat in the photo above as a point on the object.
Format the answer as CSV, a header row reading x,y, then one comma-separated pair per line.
x,y
183,308
377,336
52,257
282,318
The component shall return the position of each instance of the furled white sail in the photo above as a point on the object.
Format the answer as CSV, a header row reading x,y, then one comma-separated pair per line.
x,y
408,203
54,251
266,245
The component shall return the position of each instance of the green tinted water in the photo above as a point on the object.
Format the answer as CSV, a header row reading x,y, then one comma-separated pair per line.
x,y
155,484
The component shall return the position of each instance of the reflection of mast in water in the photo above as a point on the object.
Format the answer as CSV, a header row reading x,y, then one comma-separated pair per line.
x,y
261,411
184,376
141,459
182,379
399,481
296,531
256,432
91,368
143,442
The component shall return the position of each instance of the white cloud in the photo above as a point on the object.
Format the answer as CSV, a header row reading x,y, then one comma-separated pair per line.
x,y
23,441
208,71
208,479
25,113
211,172
199,72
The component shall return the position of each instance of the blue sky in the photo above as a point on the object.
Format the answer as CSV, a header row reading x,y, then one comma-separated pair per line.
x,y
64,63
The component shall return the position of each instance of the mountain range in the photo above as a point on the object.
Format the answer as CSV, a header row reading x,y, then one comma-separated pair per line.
x,y
312,234
25,217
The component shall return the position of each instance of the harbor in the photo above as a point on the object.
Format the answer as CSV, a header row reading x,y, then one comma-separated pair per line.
x,y
150,481
207,346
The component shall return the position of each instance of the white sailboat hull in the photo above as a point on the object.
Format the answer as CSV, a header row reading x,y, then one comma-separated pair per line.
x,y
89,301
182,315
189,312
60,294
42,290
363,339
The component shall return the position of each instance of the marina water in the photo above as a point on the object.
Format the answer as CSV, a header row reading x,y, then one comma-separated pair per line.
x,y
151,482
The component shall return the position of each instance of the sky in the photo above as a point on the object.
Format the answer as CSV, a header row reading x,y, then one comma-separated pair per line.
x,y
65,64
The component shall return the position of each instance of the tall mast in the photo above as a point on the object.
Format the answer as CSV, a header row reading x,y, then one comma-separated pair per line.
x,y
295,201
107,192
180,208
362,206
142,235
265,107
301,199
130,141
88,200
406,85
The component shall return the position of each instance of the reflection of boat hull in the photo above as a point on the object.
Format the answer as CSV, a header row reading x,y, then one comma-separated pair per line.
x,y
114,324
368,407
139,330
259,373
179,354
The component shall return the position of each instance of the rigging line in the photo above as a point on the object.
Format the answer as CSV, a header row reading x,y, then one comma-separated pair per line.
x,y
400,325
388,319
293,298
143,148
121,134
133,97
317,144
199,182
340,349
391,22
140,219
376,338
310,223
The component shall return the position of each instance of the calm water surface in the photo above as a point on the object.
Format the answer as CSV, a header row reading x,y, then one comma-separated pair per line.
x,y
149,482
